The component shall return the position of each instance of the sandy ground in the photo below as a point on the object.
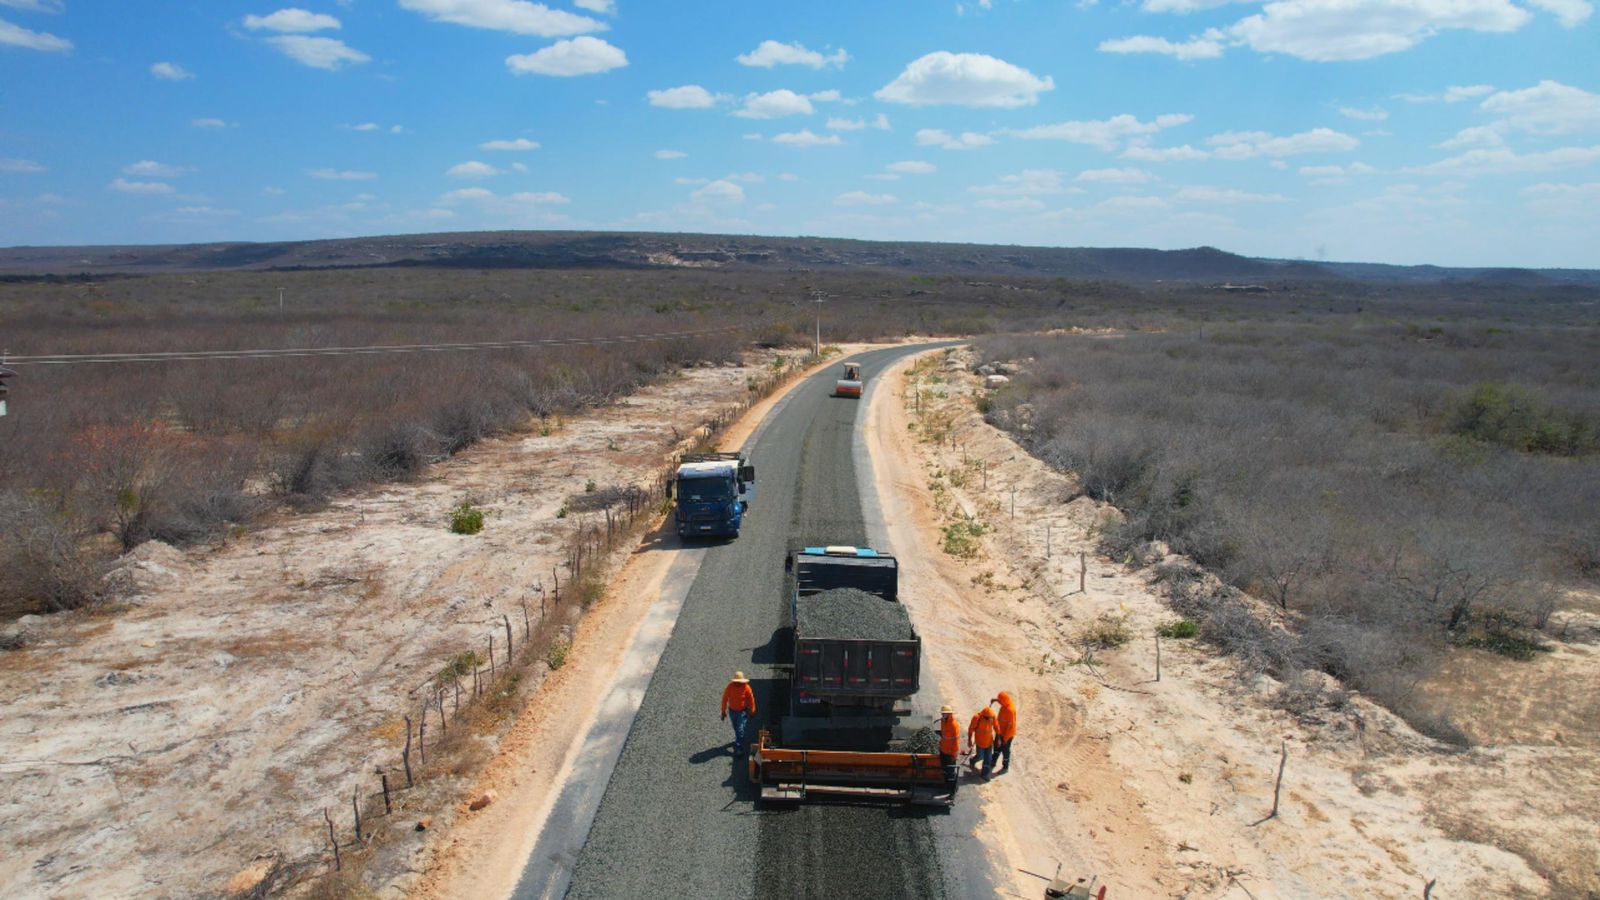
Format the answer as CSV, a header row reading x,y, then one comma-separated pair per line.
x,y
1159,788
158,748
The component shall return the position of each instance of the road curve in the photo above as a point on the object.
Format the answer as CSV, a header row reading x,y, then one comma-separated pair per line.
x,y
678,817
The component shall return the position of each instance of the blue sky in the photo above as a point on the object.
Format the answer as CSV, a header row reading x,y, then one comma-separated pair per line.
x,y
1455,132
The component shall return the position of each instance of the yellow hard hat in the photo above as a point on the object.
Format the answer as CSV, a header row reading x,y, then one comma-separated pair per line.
x,y
739,676
947,709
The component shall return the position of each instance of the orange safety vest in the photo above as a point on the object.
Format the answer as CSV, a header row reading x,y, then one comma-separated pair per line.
x,y
949,736
983,727
738,697
1007,720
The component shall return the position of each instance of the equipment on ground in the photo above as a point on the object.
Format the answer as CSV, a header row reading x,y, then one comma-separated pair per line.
x,y
4,374
712,493
850,384
856,665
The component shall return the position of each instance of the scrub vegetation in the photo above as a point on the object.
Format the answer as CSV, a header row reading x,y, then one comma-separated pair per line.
x,y
1391,484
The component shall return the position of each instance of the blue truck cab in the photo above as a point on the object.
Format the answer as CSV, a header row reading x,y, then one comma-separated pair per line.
x,y
713,492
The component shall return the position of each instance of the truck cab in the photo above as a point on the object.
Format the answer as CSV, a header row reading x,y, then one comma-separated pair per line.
x,y
712,493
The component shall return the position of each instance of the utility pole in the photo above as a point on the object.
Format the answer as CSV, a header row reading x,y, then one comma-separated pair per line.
x,y
280,301
819,296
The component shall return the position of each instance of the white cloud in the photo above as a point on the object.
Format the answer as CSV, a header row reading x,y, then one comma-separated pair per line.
x,y
1570,13
540,197
1563,199
690,181
519,167
881,122
804,138
466,194
1474,136
1549,107
938,137
271,191
292,21
1206,46
1182,153
139,187
964,79
207,123
603,7
912,167
772,53
472,169
1028,182
364,126
745,177
317,52
40,6
846,124
1105,133
516,144
1336,30
1115,176
1459,93
341,175
515,16
829,96
149,168
1250,144
719,193
1226,195
1363,115
689,96
20,166
1501,161
775,105
1336,171
788,176
168,71
578,56
670,154
17,36
862,198
1453,94
1011,204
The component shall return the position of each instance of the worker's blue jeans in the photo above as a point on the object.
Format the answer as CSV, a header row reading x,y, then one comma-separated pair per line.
x,y
984,755
740,719
1002,751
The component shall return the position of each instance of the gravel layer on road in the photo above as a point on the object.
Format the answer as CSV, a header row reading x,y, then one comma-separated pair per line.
x,y
852,614
925,740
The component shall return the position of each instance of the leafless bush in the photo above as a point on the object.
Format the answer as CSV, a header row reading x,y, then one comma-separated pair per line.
x,y
43,566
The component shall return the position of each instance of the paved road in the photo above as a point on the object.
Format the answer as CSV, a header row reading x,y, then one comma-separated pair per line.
x,y
678,817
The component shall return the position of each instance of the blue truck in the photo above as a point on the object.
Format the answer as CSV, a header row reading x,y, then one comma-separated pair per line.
x,y
713,492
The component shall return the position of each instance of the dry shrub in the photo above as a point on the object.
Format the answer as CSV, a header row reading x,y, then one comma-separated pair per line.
x,y
43,564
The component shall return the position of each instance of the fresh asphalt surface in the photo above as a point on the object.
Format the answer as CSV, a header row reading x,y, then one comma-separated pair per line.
x,y
678,817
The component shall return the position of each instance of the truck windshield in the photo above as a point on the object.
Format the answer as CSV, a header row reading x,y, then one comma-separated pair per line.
x,y
705,490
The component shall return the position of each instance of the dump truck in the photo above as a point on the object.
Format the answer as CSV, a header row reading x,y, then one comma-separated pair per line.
x,y
850,384
712,493
857,663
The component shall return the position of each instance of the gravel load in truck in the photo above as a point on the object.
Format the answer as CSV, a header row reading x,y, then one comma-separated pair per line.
x,y
852,614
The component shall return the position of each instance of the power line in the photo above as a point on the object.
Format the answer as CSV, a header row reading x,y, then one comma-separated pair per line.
x,y
291,352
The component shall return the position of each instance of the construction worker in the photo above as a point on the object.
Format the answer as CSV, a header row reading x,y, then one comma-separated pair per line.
x,y
738,699
1005,729
949,745
980,740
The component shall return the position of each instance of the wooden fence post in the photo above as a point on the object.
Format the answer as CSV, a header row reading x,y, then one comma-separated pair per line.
x,y
333,838
355,804
405,754
509,652
383,779
1083,570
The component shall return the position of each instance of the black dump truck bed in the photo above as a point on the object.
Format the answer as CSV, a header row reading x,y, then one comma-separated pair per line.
x,y
855,645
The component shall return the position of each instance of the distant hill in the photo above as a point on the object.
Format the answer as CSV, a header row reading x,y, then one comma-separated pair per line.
x,y
572,249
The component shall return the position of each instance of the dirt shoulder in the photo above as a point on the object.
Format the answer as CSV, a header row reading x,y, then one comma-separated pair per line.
x,y
240,690
1160,788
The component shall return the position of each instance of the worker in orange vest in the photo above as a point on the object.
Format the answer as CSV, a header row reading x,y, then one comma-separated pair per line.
x,y
949,745
980,740
740,701
1005,729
